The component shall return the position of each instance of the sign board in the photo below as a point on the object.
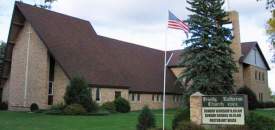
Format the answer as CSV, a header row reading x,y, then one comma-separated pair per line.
x,y
219,110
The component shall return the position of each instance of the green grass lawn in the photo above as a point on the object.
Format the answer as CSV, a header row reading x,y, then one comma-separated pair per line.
x,y
30,121
37,121
268,113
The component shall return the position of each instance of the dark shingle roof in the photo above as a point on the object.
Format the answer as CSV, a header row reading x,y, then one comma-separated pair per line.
x,y
102,61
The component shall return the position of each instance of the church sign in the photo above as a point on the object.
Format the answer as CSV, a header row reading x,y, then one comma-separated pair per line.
x,y
218,110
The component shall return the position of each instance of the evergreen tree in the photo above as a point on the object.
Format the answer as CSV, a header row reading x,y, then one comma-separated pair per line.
x,y
2,52
146,119
207,59
78,92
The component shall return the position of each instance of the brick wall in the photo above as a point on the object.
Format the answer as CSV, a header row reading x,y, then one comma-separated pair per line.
x,y
108,94
258,86
156,104
61,81
37,72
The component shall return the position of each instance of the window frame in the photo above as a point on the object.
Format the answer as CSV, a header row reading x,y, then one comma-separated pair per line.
x,y
98,94
51,82
153,97
138,97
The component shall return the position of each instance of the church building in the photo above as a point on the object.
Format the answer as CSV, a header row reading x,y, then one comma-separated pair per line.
x,y
46,49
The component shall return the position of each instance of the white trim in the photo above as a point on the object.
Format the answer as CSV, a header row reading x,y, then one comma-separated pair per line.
x,y
99,95
52,88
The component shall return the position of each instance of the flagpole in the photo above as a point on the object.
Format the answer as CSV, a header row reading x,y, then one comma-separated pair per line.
x,y
164,77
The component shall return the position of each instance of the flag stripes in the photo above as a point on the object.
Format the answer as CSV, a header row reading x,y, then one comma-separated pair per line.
x,y
176,23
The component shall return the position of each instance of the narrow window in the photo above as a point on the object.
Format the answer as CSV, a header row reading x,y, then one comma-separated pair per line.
x,y
260,97
259,75
50,95
256,75
161,99
97,94
138,97
263,76
174,97
51,80
157,97
133,97
153,97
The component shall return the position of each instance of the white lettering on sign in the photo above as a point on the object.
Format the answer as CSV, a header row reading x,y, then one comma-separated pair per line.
x,y
223,115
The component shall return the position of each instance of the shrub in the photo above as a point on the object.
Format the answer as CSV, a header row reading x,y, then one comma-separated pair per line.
x,y
252,98
3,106
99,113
58,106
188,125
109,106
255,121
93,107
77,92
262,105
75,109
55,112
270,104
34,107
146,119
122,105
182,114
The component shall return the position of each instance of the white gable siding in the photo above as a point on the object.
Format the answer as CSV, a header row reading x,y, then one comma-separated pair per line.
x,y
250,59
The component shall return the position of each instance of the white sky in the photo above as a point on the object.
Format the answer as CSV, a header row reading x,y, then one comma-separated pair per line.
x,y
144,22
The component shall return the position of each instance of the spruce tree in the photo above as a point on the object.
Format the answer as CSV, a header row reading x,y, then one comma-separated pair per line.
x,y
207,59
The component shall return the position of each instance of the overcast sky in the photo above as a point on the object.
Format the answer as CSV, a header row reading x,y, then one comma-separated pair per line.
x,y
144,22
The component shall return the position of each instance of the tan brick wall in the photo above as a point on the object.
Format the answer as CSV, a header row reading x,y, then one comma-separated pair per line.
x,y
147,99
196,109
37,73
258,86
238,76
108,94
61,81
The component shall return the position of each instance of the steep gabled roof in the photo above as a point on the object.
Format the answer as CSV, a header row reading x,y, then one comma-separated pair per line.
x,y
75,45
141,66
247,47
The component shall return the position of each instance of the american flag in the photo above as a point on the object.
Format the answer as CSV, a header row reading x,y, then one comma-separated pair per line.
x,y
176,23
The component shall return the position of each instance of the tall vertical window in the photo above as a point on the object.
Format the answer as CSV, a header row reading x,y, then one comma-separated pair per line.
x,y
174,97
97,98
260,97
256,74
263,76
51,81
153,97
138,97
259,75
133,97
50,95
161,99
157,97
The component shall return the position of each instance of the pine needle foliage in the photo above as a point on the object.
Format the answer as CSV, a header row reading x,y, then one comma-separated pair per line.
x,y
146,119
207,59
78,92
